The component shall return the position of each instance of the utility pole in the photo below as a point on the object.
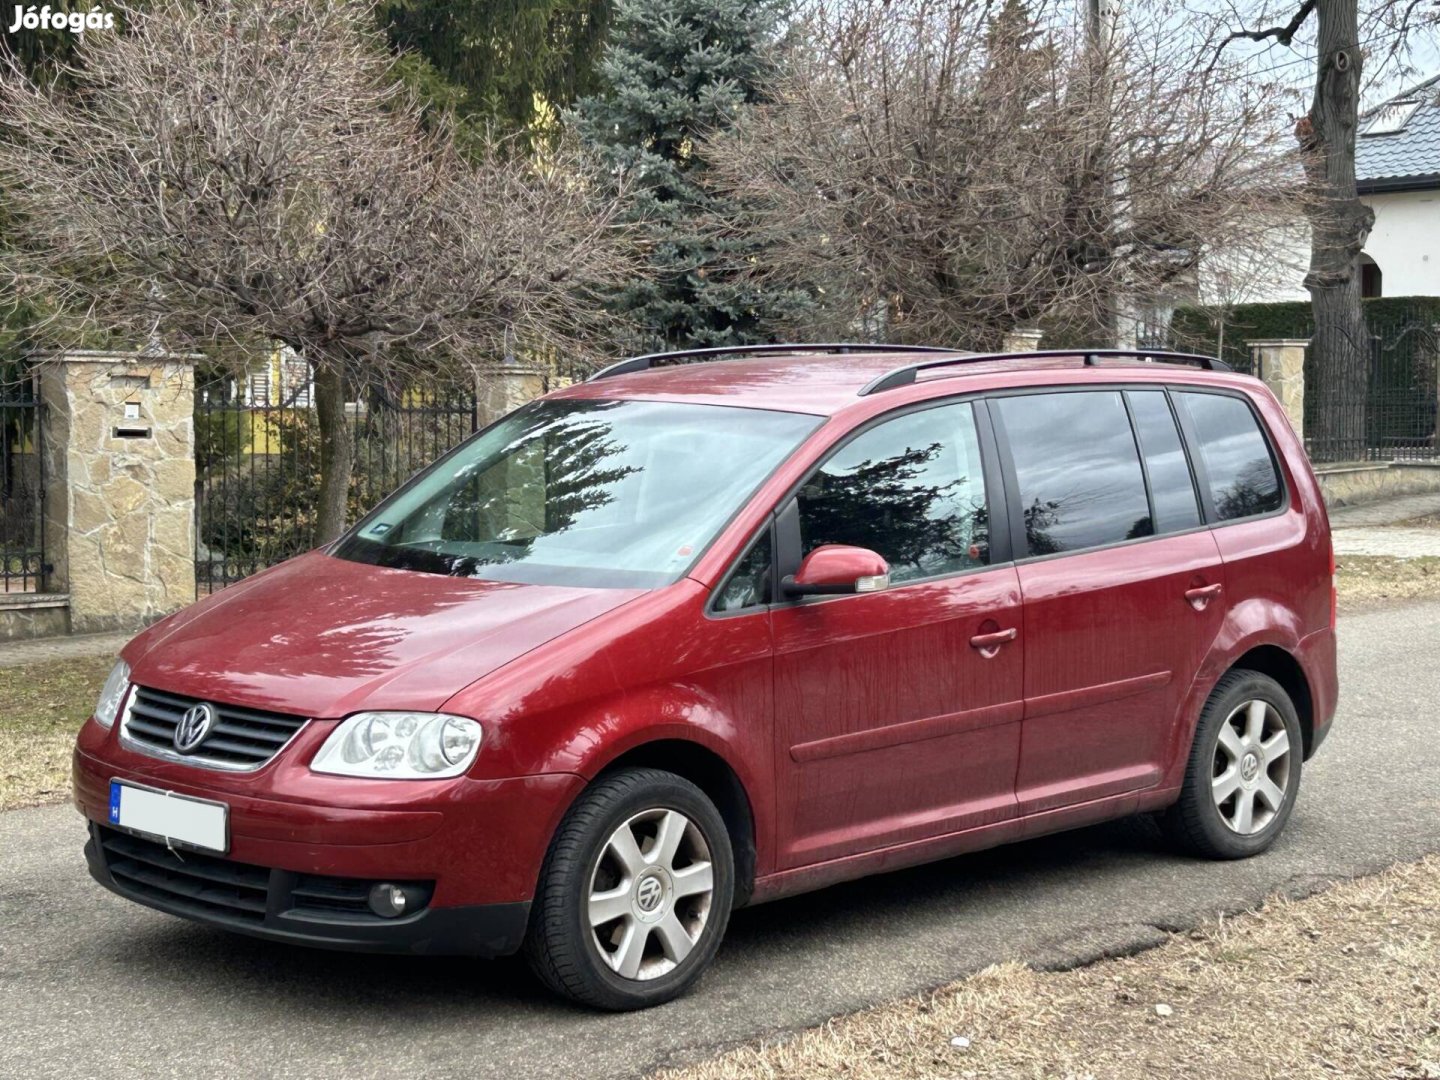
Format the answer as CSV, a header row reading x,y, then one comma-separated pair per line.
x,y
1099,21
1118,320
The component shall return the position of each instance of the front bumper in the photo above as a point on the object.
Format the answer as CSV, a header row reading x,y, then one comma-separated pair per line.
x,y
281,905
476,845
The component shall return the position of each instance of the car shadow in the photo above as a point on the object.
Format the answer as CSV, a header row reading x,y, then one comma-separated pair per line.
x,y
192,959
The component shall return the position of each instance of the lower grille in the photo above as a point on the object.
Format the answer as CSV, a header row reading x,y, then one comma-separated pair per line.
x,y
202,884
238,739
222,890
332,896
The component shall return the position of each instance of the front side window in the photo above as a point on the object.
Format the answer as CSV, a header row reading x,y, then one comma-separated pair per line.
x,y
1078,470
618,494
911,489
1238,466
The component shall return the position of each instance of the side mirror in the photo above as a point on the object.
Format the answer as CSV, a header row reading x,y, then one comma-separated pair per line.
x,y
837,569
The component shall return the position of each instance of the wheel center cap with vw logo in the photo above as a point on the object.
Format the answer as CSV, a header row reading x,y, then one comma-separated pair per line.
x,y
1249,768
650,893
193,727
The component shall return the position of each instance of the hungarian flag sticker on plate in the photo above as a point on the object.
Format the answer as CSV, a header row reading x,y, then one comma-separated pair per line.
x,y
170,817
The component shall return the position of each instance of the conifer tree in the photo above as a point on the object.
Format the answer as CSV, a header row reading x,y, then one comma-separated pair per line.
x,y
675,72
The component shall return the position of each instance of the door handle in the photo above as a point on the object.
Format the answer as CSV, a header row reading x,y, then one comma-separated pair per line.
x,y
1202,595
989,644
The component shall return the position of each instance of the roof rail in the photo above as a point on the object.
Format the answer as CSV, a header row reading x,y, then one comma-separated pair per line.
x,y
644,363
904,376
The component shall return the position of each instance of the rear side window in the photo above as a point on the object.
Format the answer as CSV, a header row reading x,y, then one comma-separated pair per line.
x,y
1172,490
911,489
1238,467
1078,470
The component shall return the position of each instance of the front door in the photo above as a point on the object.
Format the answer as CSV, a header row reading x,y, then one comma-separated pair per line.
x,y
1122,587
897,714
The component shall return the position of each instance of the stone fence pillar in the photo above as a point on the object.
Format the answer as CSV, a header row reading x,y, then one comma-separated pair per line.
x,y
503,388
1280,364
119,456
1021,339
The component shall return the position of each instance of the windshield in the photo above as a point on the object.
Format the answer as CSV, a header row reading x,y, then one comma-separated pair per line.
x,y
622,494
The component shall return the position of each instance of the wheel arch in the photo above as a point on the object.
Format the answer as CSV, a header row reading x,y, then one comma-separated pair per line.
x,y
1282,666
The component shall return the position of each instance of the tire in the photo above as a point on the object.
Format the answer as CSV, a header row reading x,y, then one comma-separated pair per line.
x,y
1231,767
654,891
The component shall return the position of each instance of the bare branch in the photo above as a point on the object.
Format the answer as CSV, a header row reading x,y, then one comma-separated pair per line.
x,y
1281,34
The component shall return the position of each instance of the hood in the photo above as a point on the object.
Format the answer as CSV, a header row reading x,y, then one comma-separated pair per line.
x,y
323,637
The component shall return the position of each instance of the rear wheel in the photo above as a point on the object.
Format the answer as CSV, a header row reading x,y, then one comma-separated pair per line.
x,y
635,894
1244,770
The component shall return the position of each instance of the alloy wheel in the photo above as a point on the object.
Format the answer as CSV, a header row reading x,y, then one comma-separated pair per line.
x,y
1252,767
650,894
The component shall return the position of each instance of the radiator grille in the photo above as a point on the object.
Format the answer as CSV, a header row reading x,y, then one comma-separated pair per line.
x,y
239,739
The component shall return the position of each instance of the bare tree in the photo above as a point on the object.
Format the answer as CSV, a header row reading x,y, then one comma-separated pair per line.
x,y
1339,222
950,171
250,170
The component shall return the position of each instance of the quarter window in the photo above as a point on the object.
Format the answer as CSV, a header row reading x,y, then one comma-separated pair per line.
x,y
749,584
1238,467
1078,470
1172,491
911,489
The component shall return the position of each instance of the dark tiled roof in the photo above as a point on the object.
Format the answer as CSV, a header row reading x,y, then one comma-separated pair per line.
x,y
1411,156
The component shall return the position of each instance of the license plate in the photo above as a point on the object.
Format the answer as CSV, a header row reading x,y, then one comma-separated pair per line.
x,y
169,817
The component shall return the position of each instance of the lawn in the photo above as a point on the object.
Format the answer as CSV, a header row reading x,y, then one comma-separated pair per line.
x,y
1368,580
41,708
1342,984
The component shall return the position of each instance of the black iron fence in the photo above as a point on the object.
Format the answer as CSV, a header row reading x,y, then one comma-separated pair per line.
x,y
1389,413
22,480
257,461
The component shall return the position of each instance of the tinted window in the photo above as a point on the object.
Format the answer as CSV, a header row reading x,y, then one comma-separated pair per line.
x,y
911,489
749,585
1078,469
1171,489
1238,466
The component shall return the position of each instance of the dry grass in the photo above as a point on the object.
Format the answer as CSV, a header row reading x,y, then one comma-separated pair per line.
x,y
1424,521
41,708
1365,580
1368,580
1345,984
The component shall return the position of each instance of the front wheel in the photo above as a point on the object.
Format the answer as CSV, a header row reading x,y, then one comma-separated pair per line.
x,y
635,893
1244,770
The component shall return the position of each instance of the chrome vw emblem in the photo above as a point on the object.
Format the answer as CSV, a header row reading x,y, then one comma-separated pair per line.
x,y
193,727
647,896
1249,767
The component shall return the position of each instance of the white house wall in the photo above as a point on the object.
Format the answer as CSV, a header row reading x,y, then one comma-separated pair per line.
x,y
1268,269
1405,242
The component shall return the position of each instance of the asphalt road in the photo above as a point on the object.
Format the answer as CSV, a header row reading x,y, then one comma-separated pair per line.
x,y
91,985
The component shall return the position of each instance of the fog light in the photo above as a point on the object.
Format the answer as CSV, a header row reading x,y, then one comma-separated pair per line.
x,y
388,901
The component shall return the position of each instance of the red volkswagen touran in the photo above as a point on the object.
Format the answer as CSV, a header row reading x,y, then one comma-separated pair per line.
x,y
707,631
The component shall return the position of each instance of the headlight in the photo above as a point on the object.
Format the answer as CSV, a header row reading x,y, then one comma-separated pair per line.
x,y
400,746
112,694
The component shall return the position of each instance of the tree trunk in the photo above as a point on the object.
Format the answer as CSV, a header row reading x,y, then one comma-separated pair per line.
x,y
1339,226
335,452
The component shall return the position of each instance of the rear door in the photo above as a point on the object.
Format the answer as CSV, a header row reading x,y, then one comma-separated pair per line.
x,y
1121,584
1270,554
896,717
